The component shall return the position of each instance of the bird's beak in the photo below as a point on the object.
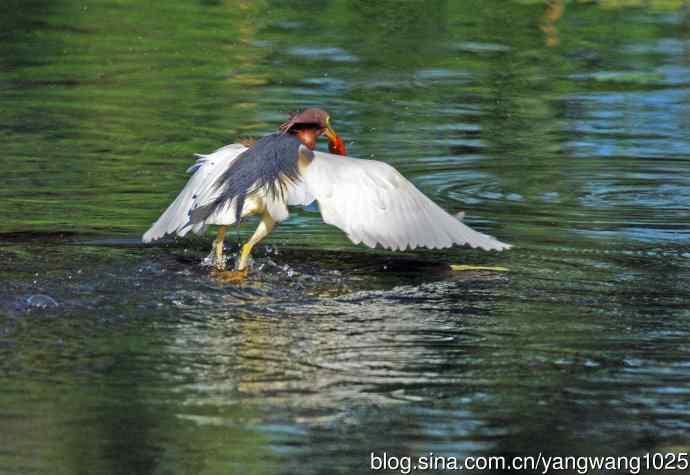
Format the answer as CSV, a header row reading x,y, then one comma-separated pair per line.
x,y
330,133
335,143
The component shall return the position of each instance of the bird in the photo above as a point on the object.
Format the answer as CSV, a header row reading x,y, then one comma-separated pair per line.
x,y
368,199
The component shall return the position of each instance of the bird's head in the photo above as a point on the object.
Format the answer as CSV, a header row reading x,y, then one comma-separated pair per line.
x,y
309,124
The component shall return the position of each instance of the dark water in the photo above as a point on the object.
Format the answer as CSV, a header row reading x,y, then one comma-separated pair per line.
x,y
562,128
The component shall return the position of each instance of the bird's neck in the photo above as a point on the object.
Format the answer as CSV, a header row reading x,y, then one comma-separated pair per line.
x,y
307,137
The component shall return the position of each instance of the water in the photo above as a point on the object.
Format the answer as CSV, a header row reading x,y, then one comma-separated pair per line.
x,y
562,129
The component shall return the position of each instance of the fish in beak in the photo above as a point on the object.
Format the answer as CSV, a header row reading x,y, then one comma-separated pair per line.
x,y
335,143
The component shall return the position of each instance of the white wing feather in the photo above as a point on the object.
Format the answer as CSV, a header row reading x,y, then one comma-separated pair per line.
x,y
198,189
374,204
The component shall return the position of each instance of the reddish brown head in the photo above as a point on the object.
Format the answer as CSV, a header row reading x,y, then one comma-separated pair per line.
x,y
309,124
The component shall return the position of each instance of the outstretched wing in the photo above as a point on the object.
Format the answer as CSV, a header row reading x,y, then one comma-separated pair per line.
x,y
199,188
374,204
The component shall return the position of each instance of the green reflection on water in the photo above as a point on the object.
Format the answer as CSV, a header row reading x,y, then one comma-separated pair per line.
x,y
559,127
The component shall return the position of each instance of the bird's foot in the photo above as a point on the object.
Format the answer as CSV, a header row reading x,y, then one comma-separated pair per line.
x,y
218,261
246,263
219,266
464,267
214,264
230,276
214,261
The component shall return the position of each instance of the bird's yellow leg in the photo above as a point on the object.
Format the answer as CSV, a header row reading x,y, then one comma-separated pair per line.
x,y
263,229
242,266
245,253
218,259
238,275
464,267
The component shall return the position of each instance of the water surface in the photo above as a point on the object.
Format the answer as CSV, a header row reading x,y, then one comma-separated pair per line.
x,y
563,129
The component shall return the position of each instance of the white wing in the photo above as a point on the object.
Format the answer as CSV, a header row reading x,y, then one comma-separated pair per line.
x,y
206,170
299,195
375,204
